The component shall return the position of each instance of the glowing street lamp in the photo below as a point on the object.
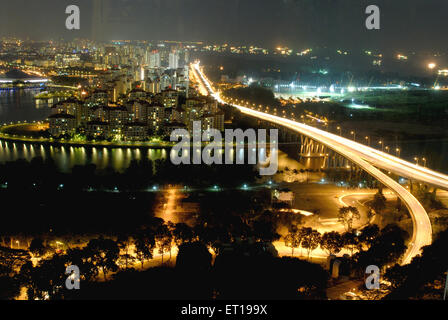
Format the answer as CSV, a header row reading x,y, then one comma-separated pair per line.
x,y
424,162
431,65
353,133
368,140
340,131
382,145
416,159
398,151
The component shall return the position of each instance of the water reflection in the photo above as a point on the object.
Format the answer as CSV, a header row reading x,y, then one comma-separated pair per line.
x,y
20,105
312,163
65,157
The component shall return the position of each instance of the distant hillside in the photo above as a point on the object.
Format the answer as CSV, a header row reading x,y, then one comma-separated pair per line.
x,y
15,74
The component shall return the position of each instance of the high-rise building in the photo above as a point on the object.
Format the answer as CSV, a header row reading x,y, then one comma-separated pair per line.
x,y
173,62
147,57
154,59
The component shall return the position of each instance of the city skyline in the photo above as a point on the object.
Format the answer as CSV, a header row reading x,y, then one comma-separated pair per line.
x,y
223,150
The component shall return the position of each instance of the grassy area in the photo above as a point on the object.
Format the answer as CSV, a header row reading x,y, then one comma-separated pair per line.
x,y
34,130
403,99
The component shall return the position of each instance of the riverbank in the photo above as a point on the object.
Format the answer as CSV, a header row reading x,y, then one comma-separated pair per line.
x,y
30,133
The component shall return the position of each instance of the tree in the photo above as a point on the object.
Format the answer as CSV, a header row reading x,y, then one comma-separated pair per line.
x,y
144,246
37,247
386,249
423,274
47,279
213,236
293,239
123,242
332,242
194,256
311,239
80,258
104,254
397,275
264,230
379,202
182,233
389,246
368,235
164,240
350,240
347,215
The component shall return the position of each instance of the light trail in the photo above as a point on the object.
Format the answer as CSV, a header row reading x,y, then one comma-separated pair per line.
x,y
344,204
366,158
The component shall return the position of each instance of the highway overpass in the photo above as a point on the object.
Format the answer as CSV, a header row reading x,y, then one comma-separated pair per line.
x,y
369,159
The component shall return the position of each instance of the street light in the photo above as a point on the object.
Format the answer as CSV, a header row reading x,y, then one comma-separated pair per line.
x,y
398,151
424,162
416,159
382,145
387,149
368,140
340,131
353,133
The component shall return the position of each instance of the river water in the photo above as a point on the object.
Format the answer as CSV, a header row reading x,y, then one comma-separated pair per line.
x,y
19,105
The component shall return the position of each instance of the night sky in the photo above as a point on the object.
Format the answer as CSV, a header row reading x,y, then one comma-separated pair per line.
x,y
406,24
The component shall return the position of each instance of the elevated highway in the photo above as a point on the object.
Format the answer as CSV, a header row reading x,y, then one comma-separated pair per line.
x,y
369,159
